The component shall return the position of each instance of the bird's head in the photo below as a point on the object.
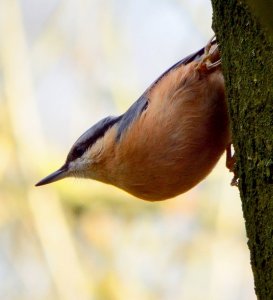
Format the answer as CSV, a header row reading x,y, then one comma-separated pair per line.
x,y
87,154
79,162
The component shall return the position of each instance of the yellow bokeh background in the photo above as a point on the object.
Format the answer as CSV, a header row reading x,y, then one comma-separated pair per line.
x,y
63,66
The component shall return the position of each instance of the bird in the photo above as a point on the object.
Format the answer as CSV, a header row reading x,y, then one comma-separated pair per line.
x,y
168,141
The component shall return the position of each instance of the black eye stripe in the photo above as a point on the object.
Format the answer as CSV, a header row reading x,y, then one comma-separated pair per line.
x,y
79,151
86,140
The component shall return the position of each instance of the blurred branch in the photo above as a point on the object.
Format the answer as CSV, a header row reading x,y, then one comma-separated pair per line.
x,y
51,226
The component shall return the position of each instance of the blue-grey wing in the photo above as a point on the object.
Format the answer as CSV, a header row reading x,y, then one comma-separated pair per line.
x,y
131,114
122,122
142,103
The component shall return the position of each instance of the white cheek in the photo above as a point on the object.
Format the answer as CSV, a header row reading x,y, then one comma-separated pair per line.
x,y
80,166
73,165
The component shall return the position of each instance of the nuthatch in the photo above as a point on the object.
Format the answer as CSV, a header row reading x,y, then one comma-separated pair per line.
x,y
167,141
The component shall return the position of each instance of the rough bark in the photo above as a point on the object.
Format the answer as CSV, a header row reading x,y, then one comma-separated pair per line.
x,y
246,45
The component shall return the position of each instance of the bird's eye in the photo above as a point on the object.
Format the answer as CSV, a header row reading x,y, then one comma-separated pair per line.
x,y
78,152
75,152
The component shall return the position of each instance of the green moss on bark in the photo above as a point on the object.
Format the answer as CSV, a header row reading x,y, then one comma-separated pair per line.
x,y
247,60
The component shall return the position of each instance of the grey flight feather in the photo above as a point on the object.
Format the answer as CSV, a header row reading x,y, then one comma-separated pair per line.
x,y
131,114
123,122
142,103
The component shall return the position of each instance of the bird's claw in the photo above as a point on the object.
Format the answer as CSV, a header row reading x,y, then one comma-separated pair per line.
x,y
211,59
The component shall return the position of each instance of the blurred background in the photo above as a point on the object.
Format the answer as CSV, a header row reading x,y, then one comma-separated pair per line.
x,y
63,66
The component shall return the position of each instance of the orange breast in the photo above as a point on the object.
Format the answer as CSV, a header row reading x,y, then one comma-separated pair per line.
x,y
177,141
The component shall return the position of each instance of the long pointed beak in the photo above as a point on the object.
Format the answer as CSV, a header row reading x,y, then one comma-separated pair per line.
x,y
55,176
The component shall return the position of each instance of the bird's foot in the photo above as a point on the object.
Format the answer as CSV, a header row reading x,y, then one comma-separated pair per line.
x,y
211,57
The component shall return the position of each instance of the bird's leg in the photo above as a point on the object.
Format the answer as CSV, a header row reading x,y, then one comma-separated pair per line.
x,y
207,63
230,164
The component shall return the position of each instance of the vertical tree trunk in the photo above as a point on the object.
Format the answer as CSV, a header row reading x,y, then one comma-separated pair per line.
x,y
247,60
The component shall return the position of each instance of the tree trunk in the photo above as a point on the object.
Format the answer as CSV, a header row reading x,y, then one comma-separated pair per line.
x,y
247,59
